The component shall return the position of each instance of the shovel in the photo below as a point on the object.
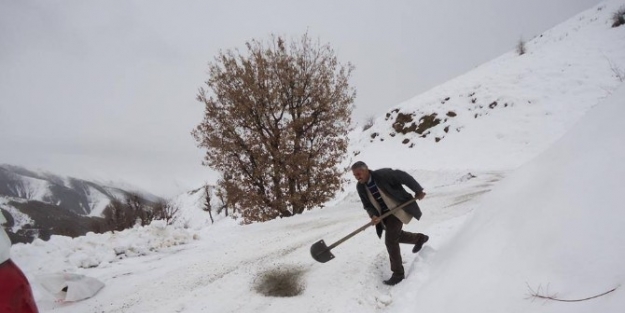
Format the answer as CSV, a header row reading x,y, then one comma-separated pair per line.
x,y
321,252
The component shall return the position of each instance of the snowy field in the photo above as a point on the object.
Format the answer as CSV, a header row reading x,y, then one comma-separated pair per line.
x,y
521,198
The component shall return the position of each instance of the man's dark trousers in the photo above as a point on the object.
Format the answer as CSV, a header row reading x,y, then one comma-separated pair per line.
x,y
394,236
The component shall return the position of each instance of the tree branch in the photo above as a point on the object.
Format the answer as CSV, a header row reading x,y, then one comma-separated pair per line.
x,y
547,296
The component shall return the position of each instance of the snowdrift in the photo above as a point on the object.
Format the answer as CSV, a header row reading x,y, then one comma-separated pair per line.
x,y
554,224
62,253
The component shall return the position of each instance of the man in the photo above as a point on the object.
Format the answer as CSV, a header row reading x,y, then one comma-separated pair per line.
x,y
15,293
380,191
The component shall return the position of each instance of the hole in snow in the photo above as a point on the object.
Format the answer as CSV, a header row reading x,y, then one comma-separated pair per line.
x,y
280,282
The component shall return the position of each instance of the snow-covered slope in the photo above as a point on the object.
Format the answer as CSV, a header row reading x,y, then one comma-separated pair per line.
x,y
506,111
557,222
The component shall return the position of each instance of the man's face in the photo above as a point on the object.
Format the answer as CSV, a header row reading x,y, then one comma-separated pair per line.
x,y
361,174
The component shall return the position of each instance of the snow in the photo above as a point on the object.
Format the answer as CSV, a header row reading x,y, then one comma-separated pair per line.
x,y
98,201
19,219
33,189
214,272
524,197
555,222
99,250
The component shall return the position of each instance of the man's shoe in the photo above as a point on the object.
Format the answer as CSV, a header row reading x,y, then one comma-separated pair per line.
x,y
394,280
422,239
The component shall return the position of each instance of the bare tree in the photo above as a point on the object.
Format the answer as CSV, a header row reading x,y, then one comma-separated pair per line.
x,y
276,124
167,211
207,202
224,202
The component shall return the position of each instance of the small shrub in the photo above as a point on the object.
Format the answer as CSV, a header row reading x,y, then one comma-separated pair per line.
x,y
368,123
618,17
427,122
520,47
401,122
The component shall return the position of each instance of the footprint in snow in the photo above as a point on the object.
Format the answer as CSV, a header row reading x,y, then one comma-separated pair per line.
x,y
426,252
383,300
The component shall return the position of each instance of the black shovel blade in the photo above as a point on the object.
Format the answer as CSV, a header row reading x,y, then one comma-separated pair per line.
x,y
320,252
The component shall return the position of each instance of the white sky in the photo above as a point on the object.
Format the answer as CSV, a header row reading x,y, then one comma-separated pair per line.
x,y
106,89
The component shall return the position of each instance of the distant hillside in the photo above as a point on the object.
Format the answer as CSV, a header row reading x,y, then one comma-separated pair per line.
x,y
76,195
38,205
45,220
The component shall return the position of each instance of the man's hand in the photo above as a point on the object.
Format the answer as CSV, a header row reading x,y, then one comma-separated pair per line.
x,y
375,220
420,195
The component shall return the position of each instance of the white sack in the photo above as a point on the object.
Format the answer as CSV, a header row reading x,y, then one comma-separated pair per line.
x,y
70,287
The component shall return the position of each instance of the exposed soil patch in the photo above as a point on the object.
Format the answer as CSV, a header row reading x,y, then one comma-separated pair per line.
x,y
404,123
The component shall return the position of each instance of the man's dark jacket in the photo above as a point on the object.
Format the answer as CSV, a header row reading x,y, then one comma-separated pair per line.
x,y
390,181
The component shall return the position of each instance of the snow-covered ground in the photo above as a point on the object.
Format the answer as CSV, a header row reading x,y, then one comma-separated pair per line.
x,y
511,206
554,224
217,272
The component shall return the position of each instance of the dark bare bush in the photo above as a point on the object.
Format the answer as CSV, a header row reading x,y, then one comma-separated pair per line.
x,y
520,47
618,17
135,210
368,123
117,216
167,211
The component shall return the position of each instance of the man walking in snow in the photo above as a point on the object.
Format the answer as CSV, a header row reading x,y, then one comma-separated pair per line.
x,y
380,191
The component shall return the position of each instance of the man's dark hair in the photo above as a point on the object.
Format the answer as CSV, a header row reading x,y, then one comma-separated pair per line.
x,y
359,164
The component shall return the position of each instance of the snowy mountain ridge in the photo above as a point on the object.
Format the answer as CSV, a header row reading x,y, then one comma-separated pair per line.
x,y
79,196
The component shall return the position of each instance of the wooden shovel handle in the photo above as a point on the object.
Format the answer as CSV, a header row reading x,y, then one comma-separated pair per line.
x,y
352,234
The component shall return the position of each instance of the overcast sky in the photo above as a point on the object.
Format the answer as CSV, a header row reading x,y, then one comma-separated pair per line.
x,y
106,89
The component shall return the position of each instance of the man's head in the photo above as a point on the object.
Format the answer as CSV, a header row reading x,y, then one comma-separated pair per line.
x,y
361,172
